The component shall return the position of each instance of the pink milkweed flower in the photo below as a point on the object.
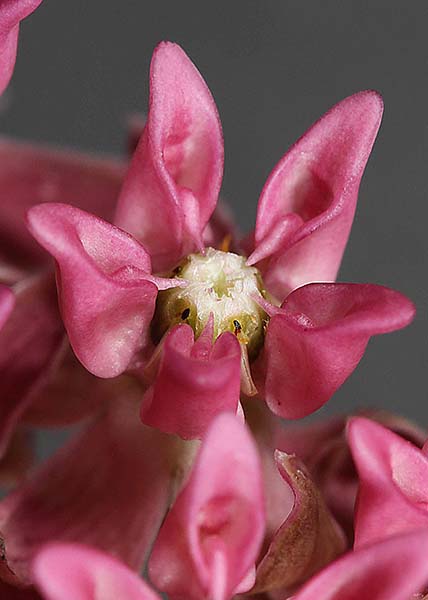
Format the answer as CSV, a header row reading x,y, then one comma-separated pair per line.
x,y
209,542
391,569
323,448
154,282
12,12
393,482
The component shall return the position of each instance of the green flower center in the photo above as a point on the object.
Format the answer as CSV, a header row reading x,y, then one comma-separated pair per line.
x,y
221,284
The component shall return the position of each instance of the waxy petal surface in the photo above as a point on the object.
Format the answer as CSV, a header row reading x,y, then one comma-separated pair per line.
x,y
393,569
106,293
175,176
308,539
109,487
73,572
393,490
195,382
31,174
212,535
316,339
307,206
12,12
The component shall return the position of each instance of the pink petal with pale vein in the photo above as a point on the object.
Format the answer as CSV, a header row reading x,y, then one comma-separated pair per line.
x,y
316,339
7,302
307,206
73,572
109,487
195,382
212,535
393,569
107,295
393,476
31,174
12,12
175,176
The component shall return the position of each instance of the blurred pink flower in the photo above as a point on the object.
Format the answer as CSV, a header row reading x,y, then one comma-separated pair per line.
x,y
393,569
393,475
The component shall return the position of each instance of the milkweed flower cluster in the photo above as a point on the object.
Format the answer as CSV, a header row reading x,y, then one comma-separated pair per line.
x,y
177,347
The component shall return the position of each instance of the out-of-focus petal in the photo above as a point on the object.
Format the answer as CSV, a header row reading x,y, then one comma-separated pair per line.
x,y
32,174
109,488
70,393
174,180
7,302
307,206
308,539
393,569
29,343
195,382
10,592
18,459
73,572
393,474
316,339
12,12
212,535
107,295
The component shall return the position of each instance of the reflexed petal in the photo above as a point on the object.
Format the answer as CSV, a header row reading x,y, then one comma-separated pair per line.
x,y
393,569
307,206
31,174
174,180
393,491
73,572
12,12
195,382
212,535
106,293
307,540
109,487
29,343
316,339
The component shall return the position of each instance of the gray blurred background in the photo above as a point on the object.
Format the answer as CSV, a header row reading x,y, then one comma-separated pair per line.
x,y
273,68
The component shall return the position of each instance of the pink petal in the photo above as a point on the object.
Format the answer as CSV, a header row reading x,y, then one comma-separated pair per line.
x,y
316,339
194,383
212,535
174,180
109,487
12,12
73,572
7,302
307,205
29,343
393,473
107,295
308,539
393,569
31,174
